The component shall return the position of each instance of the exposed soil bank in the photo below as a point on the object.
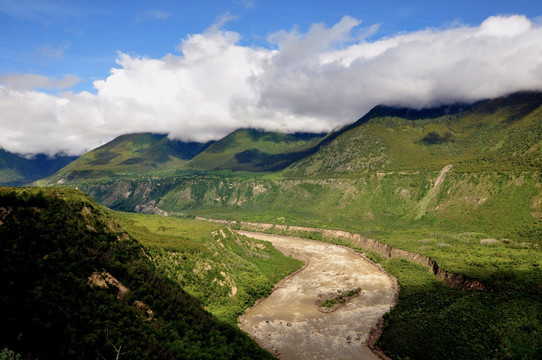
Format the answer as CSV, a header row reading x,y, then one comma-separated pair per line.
x,y
289,322
356,240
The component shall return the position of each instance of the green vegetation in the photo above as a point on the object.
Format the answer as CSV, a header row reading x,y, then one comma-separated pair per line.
x,y
225,271
155,156
329,303
340,298
129,156
253,150
432,321
73,284
7,354
17,170
461,184
494,135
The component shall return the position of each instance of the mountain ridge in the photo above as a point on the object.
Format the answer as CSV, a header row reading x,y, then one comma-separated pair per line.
x,y
431,137
254,150
391,138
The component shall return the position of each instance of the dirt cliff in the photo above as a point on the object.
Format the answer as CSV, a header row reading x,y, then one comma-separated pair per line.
x,y
357,240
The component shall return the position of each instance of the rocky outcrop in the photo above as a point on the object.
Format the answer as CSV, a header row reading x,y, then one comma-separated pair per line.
x,y
359,241
104,279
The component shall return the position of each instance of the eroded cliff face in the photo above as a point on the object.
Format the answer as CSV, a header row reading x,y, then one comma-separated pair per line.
x,y
359,241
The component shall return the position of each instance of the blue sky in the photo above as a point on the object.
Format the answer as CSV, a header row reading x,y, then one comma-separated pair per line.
x,y
55,38
75,74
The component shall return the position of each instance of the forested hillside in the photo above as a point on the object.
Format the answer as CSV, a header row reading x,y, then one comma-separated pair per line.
x,y
74,284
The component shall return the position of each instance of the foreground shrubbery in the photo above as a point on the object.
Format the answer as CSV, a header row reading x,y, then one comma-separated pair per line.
x,y
51,241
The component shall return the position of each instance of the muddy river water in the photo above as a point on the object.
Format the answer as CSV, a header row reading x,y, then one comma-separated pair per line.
x,y
292,325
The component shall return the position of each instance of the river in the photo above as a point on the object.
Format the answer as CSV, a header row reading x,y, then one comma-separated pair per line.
x,y
290,323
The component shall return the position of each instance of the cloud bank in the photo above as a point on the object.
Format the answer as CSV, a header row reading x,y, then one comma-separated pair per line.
x,y
313,81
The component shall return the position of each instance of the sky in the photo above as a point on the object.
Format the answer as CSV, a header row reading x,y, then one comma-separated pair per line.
x,y
76,74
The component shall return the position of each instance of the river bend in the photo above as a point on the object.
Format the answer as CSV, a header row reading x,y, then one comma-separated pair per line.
x,y
291,324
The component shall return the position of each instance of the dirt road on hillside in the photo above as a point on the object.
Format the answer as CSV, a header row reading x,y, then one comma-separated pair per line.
x,y
290,322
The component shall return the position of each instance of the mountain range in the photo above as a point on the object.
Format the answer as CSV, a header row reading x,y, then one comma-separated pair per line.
x,y
496,134
389,156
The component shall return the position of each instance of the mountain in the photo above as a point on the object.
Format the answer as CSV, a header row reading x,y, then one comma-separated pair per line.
x,y
455,165
75,285
17,170
254,150
146,154
131,155
497,134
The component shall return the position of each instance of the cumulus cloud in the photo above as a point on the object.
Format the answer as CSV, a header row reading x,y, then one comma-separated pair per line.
x,y
313,81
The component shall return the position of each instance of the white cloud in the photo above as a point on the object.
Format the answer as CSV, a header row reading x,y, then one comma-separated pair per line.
x,y
220,22
315,81
33,81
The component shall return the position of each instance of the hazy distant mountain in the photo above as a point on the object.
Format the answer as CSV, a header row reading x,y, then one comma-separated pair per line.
x,y
17,170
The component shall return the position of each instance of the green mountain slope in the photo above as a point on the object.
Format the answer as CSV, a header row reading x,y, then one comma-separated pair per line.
x,y
17,170
130,155
75,285
497,134
256,151
475,166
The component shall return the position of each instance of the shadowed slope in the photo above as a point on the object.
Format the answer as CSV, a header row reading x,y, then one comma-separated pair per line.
x,y
73,284
17,170
254,150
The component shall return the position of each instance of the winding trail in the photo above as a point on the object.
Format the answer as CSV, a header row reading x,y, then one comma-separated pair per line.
x,y
289,322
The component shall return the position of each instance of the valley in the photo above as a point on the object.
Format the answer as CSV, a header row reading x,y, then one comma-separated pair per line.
x,y
447,200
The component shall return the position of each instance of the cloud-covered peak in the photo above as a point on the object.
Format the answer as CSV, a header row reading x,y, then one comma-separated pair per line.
x,y
313,81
